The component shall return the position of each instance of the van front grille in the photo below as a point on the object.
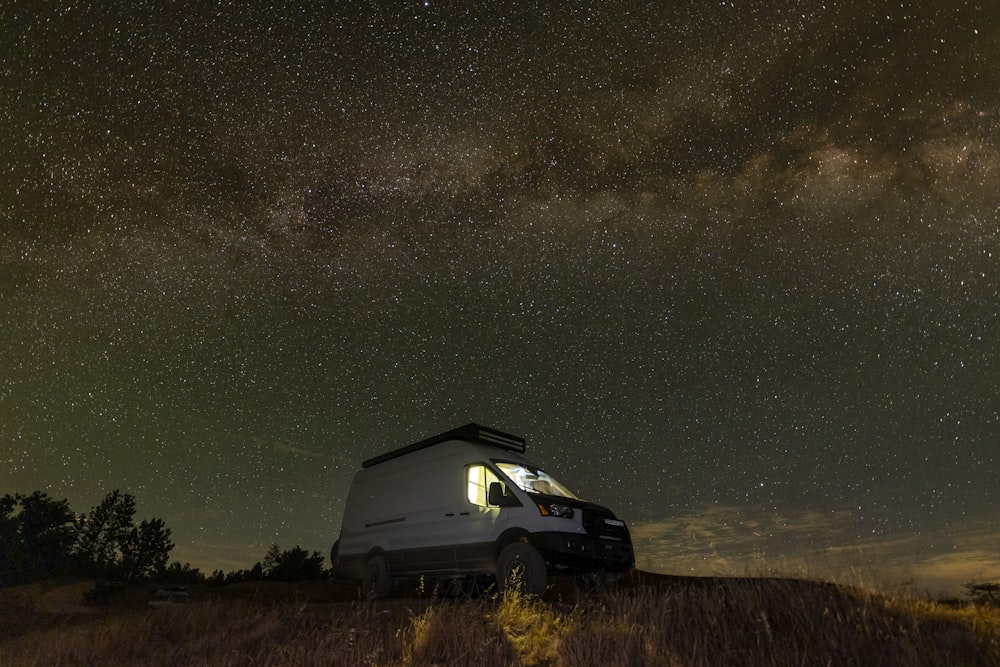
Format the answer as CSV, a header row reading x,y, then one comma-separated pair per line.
x,y
605,526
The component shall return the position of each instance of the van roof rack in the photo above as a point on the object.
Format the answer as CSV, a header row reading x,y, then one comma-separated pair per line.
x,y
470,433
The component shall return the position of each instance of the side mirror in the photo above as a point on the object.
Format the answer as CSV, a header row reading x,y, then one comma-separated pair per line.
x,y
499,497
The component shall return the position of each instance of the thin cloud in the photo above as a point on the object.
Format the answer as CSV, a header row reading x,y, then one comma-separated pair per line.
x,y
285,448
722,540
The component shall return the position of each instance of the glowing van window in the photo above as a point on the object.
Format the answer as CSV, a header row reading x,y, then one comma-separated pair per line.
x,y
478,480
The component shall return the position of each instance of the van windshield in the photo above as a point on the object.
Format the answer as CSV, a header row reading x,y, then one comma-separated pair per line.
x,y
533,480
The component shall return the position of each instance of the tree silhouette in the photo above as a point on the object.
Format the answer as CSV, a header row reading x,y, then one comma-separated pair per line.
x,y
181,573
102,532
111,546
41,538
217,578
145,550
272,560
987,592
36,533
296,564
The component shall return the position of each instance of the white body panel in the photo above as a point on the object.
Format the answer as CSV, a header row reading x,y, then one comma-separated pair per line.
x,y
419,501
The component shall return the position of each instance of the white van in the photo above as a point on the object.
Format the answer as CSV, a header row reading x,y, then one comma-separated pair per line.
x,y
467,504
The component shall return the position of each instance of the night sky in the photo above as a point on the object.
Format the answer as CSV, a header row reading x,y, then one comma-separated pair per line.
x,y
731,268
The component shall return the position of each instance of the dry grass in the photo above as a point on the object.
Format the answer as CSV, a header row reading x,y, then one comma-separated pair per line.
x,y
653,621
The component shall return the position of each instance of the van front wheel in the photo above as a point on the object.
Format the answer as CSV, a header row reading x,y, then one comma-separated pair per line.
x,y
521,568
376,583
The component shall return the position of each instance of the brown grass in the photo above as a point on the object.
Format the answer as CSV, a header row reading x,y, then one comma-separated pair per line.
x,y
663,621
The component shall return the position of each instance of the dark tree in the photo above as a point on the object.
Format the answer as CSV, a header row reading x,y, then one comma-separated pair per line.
x,y
36,534
217,578
256,573
110,546
272,560
102,533
145,550
178,573
984,592
296,564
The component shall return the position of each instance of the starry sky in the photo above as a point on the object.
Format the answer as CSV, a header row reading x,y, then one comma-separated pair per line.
x,y
731,268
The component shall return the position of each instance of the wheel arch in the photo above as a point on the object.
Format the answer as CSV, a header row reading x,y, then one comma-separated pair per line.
x,y
377,583
510,536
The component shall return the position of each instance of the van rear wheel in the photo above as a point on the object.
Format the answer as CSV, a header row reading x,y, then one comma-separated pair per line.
x,y
521,568
376,583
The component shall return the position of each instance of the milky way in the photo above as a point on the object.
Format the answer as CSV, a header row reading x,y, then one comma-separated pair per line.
x,y
730,268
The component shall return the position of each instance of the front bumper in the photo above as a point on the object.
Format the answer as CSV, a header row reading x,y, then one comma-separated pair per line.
x,y
583,553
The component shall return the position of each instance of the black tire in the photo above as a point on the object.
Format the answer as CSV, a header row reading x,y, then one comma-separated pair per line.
x,y
520,567
376,583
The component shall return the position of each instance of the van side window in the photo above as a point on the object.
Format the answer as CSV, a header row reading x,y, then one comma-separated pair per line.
x,y
479,478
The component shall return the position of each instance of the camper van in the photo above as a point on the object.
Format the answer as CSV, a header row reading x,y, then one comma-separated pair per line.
x,y
467,505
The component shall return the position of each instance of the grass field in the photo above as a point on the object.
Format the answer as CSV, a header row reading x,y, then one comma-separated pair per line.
x,y
647,620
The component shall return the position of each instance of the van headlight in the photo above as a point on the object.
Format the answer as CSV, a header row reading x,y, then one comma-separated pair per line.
x,y
556,509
